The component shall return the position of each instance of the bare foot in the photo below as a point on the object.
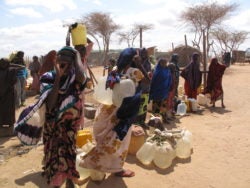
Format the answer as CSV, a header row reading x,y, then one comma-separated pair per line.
x,y
125,173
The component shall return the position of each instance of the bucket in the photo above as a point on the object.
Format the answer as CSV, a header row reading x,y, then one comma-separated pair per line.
x,y
79,35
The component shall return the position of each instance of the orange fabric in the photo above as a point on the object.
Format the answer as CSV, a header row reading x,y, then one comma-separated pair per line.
x,y
189,92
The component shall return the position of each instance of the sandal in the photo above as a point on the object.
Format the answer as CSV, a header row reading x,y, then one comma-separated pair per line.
x,y
125,173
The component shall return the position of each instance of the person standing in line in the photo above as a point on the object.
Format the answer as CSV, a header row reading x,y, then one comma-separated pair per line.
x,y
214,82
160,88
192,76
7,96
172,92
84,51
59,108
174,60
34,68
22,75
48,63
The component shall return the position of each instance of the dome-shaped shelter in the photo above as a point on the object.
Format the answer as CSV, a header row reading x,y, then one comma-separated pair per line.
x,y
185,53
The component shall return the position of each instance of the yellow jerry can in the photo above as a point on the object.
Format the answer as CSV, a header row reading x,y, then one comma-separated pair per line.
x,y
79,35
83,136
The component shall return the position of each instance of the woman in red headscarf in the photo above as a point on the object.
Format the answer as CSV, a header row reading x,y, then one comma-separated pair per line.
x,y
48,64
214,81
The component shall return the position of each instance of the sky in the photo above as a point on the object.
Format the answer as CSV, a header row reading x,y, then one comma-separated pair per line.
x,y
37,26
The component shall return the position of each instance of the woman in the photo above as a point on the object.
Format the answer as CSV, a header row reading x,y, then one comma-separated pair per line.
x,y
34,68
7,96
112,131
160,88
48,63
214,81
61,93
172,91
192,75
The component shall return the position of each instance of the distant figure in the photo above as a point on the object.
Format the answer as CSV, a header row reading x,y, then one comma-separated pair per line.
x,y
111,64
214,82
34,68
227,58
48,63
22,75
172,92
192,75
7,94
175,59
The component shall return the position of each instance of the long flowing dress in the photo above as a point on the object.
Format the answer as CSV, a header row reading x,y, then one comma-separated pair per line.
x,y
112,132
7,94
214,80
193,77
59,129
159,90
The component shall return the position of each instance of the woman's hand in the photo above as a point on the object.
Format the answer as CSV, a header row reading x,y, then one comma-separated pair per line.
x,y
60,67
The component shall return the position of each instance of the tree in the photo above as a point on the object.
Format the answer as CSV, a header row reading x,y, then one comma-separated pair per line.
x,y
229,40
101,25
203,18
131,35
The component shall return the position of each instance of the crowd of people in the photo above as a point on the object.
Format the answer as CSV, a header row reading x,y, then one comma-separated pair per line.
x,y
136,78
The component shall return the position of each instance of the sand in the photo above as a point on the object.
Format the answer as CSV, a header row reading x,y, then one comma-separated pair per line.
x,y
220,158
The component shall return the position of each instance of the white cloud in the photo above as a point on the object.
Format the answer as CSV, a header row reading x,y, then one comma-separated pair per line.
x,y
52,5
33,38
30,12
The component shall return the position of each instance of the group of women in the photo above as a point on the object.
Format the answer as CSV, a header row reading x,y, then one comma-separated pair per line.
x,y
60,109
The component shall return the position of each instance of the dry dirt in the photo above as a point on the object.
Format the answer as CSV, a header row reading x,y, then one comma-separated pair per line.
x,y
220,158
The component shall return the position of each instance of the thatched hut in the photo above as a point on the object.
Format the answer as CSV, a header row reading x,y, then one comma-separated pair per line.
x,y
185,53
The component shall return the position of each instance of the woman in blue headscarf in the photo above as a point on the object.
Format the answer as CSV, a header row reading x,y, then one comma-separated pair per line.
x,y
160,87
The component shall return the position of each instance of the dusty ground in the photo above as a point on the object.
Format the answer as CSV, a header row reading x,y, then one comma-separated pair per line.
x,y
220,158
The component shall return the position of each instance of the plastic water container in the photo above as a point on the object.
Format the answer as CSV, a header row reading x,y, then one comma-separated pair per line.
x,y
194,105
101,94
189,136
136,143
202,99
146,153
164,155
126,88
181,108
97,175
83,136
84,172
183,147
79,35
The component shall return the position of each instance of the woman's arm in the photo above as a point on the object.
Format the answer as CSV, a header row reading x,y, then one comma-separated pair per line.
x,y
53,95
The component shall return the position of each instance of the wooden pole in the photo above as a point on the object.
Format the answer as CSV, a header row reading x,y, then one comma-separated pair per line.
x,y
204,60
185,38
140,37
